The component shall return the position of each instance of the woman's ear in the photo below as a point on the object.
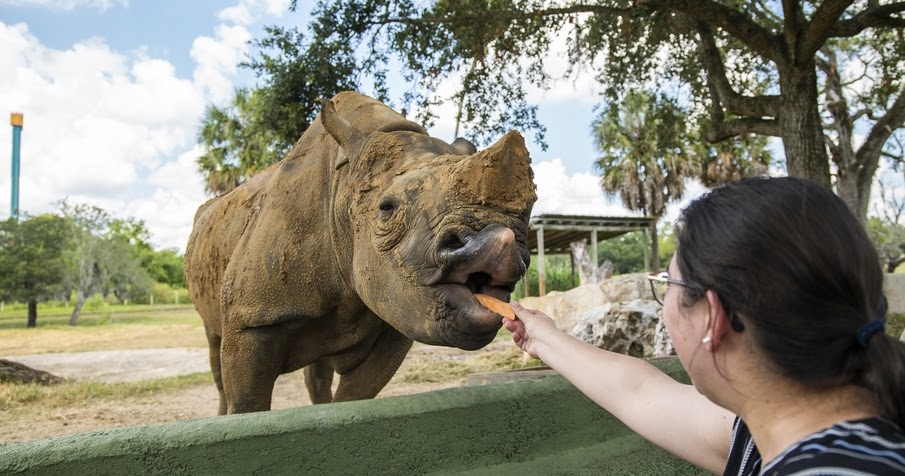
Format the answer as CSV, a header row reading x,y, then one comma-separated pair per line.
x,y
717,320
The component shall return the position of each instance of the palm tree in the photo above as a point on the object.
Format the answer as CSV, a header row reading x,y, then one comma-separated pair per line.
x,y
645,156
235,146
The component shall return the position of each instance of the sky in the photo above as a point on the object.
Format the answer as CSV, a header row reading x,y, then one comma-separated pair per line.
x,y
113,93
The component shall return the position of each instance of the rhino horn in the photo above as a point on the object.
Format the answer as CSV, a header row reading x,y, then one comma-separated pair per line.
x,y
498,176
346,135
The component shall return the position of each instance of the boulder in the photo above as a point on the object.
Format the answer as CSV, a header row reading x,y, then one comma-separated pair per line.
x,y
566,307
618,314
630,328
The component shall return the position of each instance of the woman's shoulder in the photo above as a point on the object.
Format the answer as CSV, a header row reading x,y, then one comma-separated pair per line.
x,y
872,446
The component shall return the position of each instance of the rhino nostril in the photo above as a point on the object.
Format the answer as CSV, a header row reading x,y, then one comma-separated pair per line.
x,y
453,241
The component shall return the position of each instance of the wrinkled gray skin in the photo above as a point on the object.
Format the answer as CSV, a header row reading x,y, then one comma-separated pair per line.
x,y
369,234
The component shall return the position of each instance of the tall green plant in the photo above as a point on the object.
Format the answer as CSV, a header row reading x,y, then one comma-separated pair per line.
x,y
645,156
235,144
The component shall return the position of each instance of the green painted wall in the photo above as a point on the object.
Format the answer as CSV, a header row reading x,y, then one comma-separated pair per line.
x,y
540,426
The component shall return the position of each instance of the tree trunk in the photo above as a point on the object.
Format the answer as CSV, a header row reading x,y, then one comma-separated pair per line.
x,y
853,186
854,170
79,302
799,121
32,313
654,247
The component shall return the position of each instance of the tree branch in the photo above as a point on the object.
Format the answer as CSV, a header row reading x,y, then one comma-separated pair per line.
x,y
486,17
874,15
737,127
733,21
821,26
735,103
883,128
793,18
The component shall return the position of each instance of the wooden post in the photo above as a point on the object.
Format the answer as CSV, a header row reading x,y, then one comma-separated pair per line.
x,y
594,248
541,275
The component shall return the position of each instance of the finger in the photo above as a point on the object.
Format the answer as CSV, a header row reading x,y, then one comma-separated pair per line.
x,y
520,311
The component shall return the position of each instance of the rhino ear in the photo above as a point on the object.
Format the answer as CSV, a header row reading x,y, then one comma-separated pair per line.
x,y
464,146
346,135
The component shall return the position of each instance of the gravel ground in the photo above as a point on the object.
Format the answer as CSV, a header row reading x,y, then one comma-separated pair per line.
x,y
119,365
36,421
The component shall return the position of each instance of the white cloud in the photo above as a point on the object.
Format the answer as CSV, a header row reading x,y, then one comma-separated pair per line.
x,y
97,123
578,194
170,210
247,12
66,4
218,60
115,129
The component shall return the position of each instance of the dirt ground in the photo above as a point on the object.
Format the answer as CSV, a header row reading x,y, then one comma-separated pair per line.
x,y
199,401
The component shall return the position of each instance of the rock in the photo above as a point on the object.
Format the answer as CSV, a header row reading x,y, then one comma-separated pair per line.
x,y
14,372
618,314
627,328
567,306
626,287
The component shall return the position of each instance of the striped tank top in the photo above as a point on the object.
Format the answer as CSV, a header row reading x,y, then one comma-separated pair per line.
x,y
869,447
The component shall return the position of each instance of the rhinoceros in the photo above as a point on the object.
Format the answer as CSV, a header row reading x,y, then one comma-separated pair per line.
x,y
368,235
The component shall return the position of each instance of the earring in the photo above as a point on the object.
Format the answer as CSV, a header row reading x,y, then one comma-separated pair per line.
x,y
706,340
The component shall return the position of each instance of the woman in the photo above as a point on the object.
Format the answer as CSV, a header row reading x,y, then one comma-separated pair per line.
x,y
775,306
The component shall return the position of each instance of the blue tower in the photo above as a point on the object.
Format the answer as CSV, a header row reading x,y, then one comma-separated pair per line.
x,y
15,119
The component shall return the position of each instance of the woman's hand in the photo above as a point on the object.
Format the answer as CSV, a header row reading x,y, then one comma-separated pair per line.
x,y
530,329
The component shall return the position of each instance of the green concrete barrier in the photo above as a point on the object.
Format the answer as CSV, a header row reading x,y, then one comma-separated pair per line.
x,y
539,426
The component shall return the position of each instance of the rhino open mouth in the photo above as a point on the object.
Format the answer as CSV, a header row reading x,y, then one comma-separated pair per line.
x,y
467,323
481,283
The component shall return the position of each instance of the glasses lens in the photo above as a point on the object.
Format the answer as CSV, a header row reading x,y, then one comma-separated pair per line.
x,y
660,290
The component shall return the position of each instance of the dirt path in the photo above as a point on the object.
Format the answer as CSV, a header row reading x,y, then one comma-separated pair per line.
x,y
200,401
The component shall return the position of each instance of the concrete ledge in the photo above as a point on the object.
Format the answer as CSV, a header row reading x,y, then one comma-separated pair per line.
x,y
540,426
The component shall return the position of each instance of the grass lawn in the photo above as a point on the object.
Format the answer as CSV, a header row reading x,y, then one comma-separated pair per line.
x,y
117,327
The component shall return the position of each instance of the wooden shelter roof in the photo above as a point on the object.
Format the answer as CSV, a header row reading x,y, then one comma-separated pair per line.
x,y
561,230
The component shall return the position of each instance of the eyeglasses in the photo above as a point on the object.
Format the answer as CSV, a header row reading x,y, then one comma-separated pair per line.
x,y
659,284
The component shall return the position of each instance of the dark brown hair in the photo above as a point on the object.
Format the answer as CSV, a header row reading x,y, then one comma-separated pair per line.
x,y
795,268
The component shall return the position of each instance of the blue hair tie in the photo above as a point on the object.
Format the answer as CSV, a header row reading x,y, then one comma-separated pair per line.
x,y
868,330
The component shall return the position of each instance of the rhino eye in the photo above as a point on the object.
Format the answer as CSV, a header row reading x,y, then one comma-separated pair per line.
x,y
388,205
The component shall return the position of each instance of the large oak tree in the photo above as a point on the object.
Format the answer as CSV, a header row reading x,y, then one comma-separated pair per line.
x,y
822,76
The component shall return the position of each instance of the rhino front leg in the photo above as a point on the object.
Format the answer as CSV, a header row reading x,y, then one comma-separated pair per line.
x,y
368,378
319,379
251,360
